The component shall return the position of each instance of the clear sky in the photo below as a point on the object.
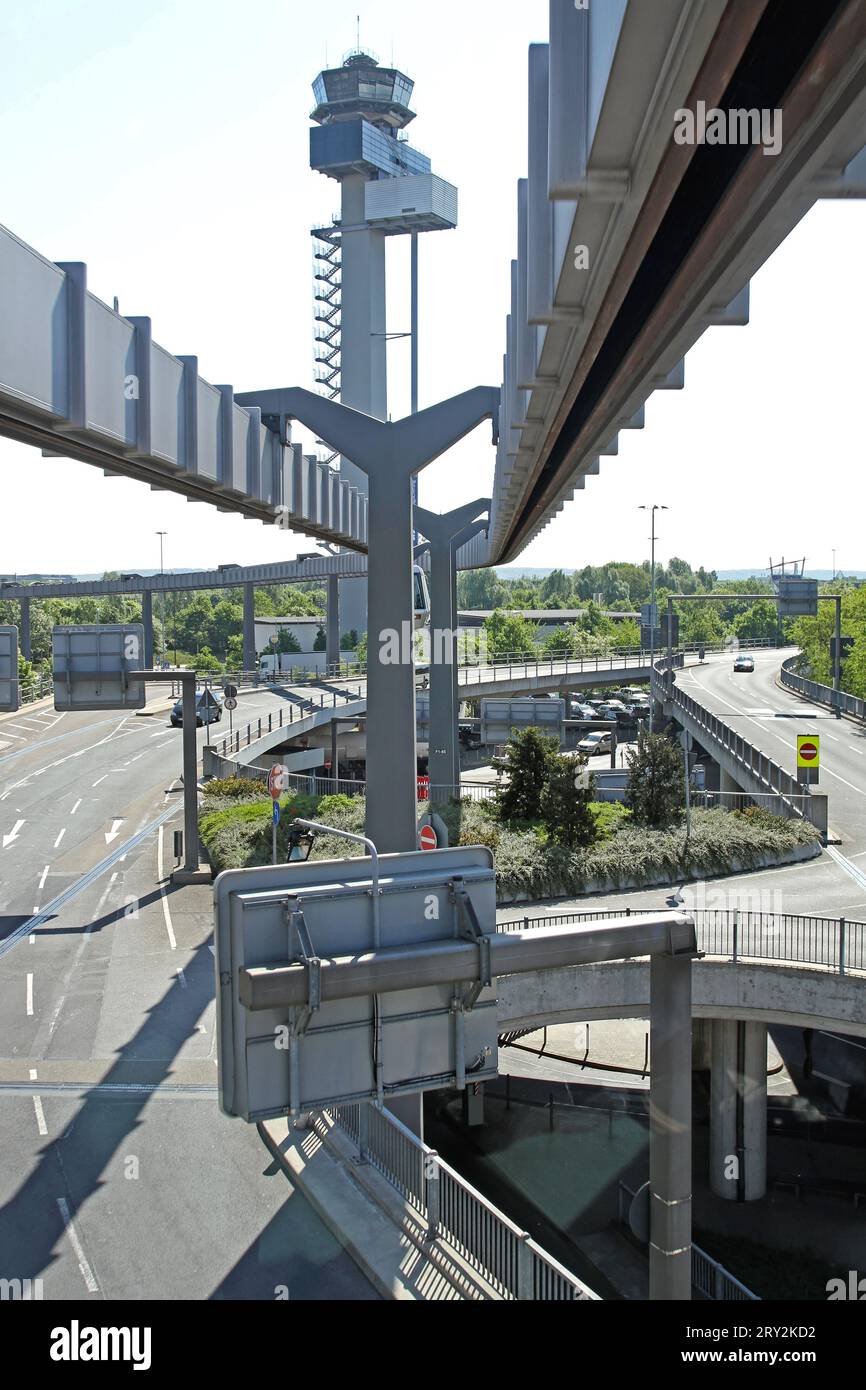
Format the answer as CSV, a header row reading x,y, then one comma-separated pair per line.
x,y
165,144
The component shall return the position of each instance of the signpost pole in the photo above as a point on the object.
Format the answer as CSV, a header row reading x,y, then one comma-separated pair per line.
x,y
837,662
190,775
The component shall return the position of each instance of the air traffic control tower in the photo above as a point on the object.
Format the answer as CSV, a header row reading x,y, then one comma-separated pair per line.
x,y
388,189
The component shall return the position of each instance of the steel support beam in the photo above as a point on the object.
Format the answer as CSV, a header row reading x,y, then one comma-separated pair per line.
x,y
460,540
442,532
249,627
147,620
391,454
24,630
332,654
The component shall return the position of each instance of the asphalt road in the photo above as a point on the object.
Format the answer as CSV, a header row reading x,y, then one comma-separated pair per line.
x,y
120,1179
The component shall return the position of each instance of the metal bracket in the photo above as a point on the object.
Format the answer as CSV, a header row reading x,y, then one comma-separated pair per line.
x,y
295,922
281,426
470,930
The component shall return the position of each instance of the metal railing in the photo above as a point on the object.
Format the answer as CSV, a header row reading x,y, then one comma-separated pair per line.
x,y
735,934
708,1276
789,795
455,1213
821,694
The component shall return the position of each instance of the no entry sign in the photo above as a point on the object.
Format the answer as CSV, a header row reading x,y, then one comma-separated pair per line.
x,y
808,750
428,838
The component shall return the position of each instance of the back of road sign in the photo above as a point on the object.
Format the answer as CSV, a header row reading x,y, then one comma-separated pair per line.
x,y
285,1060
8,668
92,664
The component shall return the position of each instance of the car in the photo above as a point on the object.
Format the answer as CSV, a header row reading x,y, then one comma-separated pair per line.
x,y
744,663
207,711
584,712
595,743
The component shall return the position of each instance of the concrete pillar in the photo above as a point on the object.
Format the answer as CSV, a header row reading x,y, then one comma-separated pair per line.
x,y
410,1110
727,782
147,620
363,360
738,1110
670,1248
249,627
332,654
24,631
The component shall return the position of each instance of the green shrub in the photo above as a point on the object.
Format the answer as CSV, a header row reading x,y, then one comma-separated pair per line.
x,y
240,788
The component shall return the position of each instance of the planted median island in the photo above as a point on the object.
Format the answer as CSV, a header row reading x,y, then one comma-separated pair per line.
x,y
550,836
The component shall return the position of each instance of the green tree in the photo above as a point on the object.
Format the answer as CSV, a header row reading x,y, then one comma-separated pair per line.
x,y
321,642
285,642
349,641
565,802
656,791
508,634
206,661
529,756
758,623
361,651
480,589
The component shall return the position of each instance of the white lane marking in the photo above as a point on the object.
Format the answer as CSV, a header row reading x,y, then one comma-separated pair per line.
x,y
63,832
47,866
162,893
115,830
182,977
32,1073
831,737
86,1271
40,1113
105,779
28,730
13,833
847,867
858,751
30,996
78,803
16,737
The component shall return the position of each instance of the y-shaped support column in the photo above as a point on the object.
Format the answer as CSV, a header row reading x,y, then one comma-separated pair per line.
x,y
441,532
390,455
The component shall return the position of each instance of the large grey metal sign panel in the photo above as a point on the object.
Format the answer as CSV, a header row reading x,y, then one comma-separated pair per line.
x,y
500,716
284,1060
8,668
798,597
92,664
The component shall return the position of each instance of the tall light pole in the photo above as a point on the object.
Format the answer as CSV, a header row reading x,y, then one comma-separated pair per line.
x,y
834,567
652,510
162,535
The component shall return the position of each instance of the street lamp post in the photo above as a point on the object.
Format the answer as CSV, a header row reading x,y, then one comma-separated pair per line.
x,y
652,510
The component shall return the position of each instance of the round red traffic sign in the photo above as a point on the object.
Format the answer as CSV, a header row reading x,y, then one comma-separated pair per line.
x,y
278,780
808,752
428,839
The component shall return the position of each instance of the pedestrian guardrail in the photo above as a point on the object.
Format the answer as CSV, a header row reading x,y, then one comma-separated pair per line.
x,y
821,694
735,934
455,1213
709,1278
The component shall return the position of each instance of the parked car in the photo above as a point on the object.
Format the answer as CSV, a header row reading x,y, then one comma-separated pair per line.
x,y
744,663
208,709
584,712
596,743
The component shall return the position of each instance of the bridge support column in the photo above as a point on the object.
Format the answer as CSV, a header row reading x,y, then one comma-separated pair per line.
x,y
24,632
332,652
441,532
738,1110
727,784
670,1250
391,455
702,1044
147,620
249,627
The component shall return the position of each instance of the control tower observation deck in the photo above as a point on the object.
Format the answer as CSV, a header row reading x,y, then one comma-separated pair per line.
x,y
388,189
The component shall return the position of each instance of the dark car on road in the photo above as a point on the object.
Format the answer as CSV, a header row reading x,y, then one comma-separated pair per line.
x,y
208,709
